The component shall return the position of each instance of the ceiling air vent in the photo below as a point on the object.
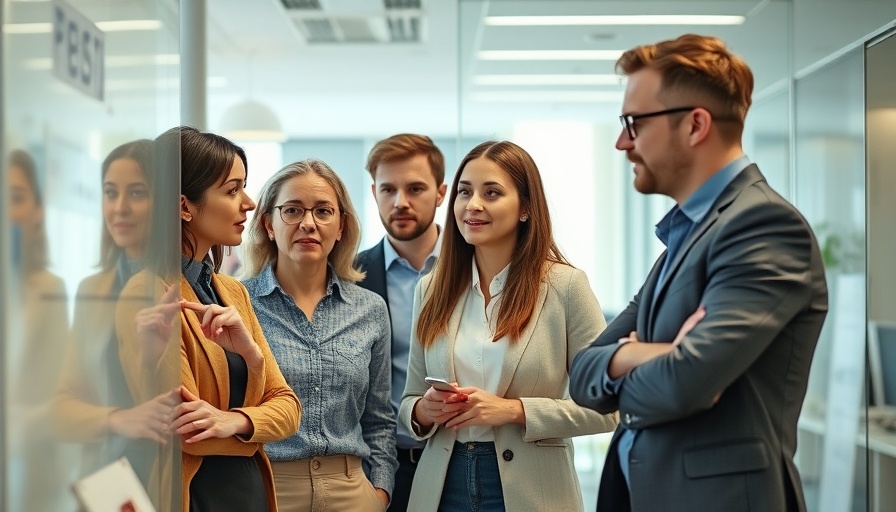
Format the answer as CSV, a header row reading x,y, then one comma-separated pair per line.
x,y
329,22
304,5
403,4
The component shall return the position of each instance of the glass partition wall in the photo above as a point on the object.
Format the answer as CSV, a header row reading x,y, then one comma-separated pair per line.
x,y
880,122
552,90
86,85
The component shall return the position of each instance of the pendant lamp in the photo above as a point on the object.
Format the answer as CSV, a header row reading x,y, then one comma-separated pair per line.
x,y
251,120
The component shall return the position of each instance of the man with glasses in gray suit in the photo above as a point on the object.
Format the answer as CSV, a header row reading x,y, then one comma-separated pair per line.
x,y
708,365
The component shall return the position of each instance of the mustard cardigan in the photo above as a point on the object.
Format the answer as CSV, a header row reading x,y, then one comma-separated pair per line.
x,y
270,404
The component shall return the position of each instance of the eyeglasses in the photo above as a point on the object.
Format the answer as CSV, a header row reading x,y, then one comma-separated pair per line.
x,y
628,120
292,214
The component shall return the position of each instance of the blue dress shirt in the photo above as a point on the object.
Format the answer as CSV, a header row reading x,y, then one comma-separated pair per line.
x,y
673,230
338,365
401,279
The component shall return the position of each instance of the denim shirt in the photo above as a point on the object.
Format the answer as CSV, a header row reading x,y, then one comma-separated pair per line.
x,y
339,365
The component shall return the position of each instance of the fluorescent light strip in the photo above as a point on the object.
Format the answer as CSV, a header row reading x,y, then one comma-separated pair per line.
x,y
633,19
549,54
105,26
546,80
547,97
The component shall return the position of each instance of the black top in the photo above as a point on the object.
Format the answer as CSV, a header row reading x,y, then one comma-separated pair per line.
x,y
224,482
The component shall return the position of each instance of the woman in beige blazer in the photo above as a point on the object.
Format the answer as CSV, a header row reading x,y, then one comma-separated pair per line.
x,y
501,441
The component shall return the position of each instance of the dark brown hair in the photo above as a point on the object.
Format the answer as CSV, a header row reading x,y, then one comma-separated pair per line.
x,y
187,162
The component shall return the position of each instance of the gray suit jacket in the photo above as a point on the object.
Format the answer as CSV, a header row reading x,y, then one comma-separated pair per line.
x,y
755,264
535,460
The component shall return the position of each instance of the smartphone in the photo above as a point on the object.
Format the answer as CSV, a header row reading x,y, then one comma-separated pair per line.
x,y
441,384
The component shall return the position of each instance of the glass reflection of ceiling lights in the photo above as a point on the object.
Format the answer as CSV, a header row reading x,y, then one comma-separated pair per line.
x,y
105,26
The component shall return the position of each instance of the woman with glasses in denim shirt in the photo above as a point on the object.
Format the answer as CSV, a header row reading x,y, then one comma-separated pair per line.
x,y
331,338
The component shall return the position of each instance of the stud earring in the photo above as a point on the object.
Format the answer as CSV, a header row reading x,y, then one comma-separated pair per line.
x,y
524,217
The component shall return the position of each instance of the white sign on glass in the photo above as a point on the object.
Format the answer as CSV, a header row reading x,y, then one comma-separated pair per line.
x,y
78,50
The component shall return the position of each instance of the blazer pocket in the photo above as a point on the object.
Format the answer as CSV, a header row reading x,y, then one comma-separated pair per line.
x,y
552,441
741,457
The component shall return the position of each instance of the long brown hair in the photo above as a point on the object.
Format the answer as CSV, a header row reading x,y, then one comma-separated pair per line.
x,y
535,250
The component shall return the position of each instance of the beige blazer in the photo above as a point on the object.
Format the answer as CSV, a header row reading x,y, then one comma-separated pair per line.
x,y
539,474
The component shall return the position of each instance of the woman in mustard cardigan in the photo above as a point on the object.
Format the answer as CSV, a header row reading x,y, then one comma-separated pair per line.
x,y
234,396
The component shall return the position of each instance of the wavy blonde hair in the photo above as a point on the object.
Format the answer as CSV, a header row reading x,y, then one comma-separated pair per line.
x,y
260,251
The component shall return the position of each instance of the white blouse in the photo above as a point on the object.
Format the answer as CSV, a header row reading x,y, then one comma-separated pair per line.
x,y
478,359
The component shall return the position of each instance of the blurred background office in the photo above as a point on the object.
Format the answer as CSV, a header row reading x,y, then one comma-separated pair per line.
x,y
292,79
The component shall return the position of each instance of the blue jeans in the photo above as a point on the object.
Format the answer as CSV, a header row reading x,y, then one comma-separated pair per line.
x,y
473,483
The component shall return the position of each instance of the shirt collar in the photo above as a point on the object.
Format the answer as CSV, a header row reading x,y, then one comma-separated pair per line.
x,y
198,272
698,205
497,284
701,201
266,283
390,254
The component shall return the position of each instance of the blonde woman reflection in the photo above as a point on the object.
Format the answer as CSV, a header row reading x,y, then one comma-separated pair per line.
x,y
36,347
93,405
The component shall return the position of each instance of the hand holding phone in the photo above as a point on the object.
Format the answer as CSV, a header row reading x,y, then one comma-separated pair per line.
x,y
441,384
447,387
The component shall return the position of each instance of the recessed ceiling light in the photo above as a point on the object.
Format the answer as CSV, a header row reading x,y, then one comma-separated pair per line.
x,y
549,54
113,61
630,19
546,80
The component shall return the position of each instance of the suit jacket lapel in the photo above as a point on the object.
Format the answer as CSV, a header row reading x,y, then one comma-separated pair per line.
x,y
515,350
645,311
746,178
376,270
453,326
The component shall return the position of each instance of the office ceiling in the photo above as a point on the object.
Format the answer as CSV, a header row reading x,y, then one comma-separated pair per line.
x,y
335,68
369,68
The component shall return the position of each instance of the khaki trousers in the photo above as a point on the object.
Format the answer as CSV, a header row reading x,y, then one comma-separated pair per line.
x,y
324,484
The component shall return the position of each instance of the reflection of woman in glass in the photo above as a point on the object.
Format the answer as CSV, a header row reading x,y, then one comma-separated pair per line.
x,y
93,405
36,350
234,396
502,314
331,338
